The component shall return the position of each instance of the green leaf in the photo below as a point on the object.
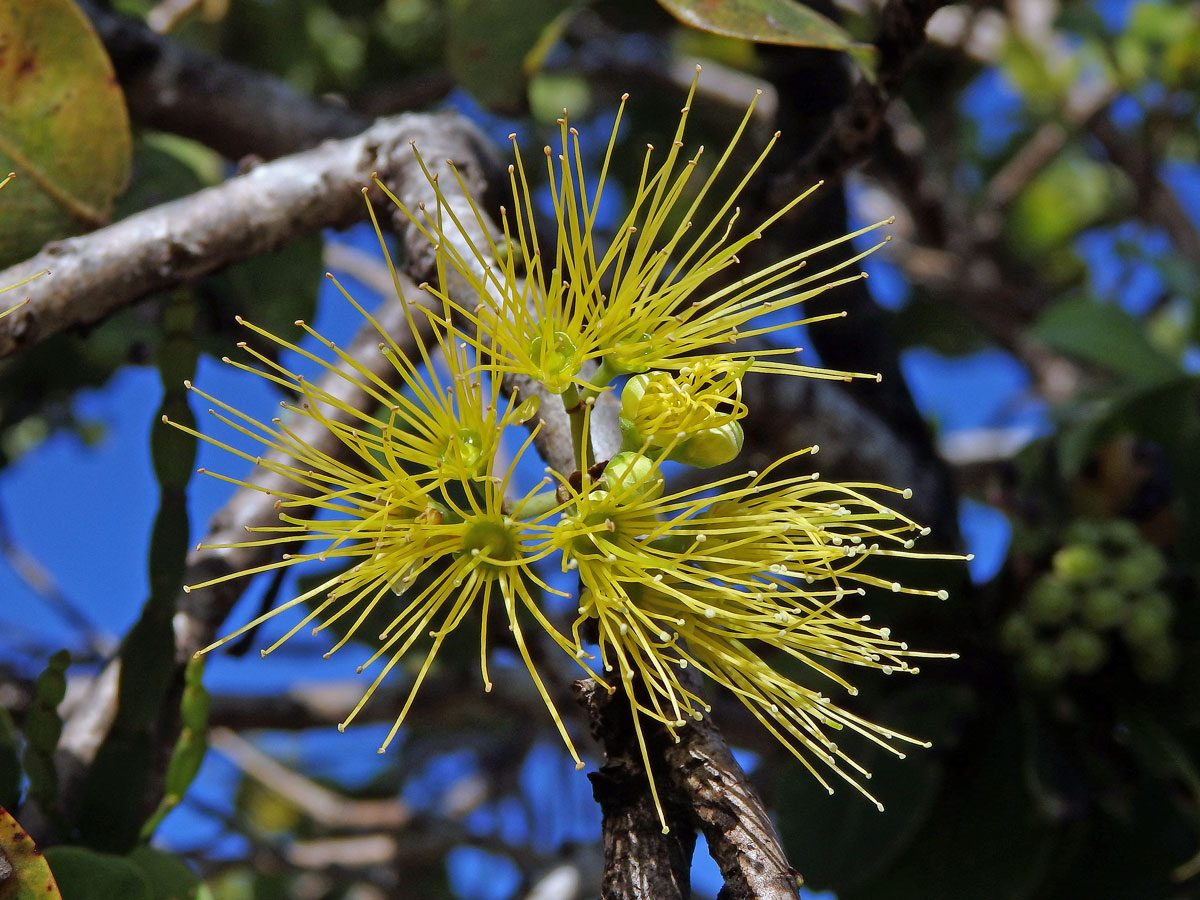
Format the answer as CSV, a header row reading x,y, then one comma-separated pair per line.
x,y
1104,335
110,816
28,876
43,727
168,876
492,48
63,127
1069,195
84,874
771,22
1161,411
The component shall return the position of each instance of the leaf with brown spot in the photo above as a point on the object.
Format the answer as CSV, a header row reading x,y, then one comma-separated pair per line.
x,y
24,872
63,127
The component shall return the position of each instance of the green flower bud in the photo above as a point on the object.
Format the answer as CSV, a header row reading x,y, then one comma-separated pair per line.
x,y
1017,633
631,474
1149,620
710,447
1043,665
1085,531
1123,533
557,359
1140,569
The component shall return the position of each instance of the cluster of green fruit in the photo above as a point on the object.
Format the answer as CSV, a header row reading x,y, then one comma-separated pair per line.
x,y
1103,587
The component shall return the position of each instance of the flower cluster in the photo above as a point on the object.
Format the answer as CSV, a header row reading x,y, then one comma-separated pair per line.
x,y
411,496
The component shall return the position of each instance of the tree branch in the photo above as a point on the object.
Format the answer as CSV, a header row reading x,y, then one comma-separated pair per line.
x,y
640,862
95,274
325,806
233,109
851,134
740,835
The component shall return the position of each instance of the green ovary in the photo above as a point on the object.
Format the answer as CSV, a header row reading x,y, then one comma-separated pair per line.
x,y
556,360
490,540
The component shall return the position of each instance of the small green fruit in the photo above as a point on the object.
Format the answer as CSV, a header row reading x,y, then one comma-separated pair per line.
x,y
1079,561
1017,633
1140,569
1082,651
1149,620
1104,607
1050,601
1043,666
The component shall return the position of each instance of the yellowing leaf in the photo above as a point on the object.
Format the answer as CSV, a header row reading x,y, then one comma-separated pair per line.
x,y
63,126
24,873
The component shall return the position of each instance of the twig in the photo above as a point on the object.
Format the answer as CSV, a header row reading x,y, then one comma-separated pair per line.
x,y
42,583
324,704
326,807
235,110
850,136
359,851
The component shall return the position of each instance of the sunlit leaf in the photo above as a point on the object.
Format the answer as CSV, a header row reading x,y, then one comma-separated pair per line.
x,y
63,126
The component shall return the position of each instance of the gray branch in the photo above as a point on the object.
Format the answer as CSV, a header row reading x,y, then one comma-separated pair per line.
x,y
94,275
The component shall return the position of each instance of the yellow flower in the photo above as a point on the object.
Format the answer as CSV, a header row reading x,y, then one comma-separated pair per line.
x,y
415,512
701,577
648,301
